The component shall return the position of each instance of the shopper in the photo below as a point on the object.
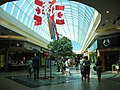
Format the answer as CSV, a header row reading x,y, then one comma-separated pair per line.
x,y
98,68
36,66
67,64
30,68
85,68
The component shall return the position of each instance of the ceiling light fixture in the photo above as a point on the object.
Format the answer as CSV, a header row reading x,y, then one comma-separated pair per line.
x,y
106,20
107,11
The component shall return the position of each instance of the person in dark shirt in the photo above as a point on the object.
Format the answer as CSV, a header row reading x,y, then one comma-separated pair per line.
x,y
36,66
98,68
85,68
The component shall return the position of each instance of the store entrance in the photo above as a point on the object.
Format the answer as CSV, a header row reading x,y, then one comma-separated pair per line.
x,y
110,57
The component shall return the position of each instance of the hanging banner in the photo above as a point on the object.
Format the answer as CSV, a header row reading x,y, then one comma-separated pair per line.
x,y
39,10
52,28
60,14
50,8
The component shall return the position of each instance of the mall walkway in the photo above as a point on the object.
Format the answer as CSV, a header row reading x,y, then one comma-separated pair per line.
x,y
72,82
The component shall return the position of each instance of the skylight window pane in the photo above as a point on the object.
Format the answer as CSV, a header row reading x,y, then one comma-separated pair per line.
x,y
31,14
28,10
67,10
68,16
31,24
24,19
15,11
37,30
28,22
75,21
18,3
74,8
9,7
24,6
71,32
74,13
67,7
20,15
44,26
3,6
70,22
73,4
75,17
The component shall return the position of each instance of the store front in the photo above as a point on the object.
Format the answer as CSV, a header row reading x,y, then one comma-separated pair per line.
x,y
108,48
14,54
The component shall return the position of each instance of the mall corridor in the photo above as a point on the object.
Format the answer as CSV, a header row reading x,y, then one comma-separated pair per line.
x,y
58,31
109,81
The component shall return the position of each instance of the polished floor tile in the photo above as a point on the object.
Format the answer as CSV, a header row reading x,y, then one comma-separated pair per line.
x,y
109,82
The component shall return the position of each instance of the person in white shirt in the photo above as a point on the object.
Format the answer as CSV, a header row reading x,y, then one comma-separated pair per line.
x,y
67,64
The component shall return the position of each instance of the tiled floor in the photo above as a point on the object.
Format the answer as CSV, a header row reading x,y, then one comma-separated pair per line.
x,y
108,82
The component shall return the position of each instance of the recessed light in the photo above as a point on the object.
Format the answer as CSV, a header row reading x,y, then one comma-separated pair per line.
x,y
107,11
106,20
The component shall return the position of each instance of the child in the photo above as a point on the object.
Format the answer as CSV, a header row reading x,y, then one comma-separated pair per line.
x,y
30,68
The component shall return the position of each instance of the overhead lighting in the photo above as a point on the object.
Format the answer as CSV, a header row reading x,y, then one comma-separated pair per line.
x,y
106,20
18,44
107,11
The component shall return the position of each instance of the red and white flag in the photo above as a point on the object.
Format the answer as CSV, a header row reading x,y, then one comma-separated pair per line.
x,y
38,20
43,8
60,14
51,10
39,10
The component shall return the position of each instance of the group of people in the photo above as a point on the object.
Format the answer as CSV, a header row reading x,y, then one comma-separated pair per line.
x,y
85,68
65,65
33,66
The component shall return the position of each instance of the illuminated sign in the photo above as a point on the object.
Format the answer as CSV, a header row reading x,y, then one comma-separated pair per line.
x,y
106,42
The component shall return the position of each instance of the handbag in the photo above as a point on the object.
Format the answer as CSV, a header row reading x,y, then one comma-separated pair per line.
x,y
94,68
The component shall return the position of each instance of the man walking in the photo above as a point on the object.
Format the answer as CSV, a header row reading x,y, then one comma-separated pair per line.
x,y
36,66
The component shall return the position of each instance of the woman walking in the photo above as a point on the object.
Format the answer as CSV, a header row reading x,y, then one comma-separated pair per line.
x,y
98,68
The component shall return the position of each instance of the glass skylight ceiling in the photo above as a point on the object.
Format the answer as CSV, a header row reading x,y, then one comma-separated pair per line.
x,y
79,19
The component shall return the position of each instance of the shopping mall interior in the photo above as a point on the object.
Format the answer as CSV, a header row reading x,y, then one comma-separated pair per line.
x,y
93,26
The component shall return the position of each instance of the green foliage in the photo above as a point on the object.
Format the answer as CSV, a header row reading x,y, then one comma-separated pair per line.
x,y
63,45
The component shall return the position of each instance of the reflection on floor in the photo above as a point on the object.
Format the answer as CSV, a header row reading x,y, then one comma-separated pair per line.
x,y
42,81
17,80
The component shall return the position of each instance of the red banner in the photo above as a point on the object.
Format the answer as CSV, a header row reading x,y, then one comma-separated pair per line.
x,y
39,10
40,5
58,7
60,21
60,14
38,20
39,2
